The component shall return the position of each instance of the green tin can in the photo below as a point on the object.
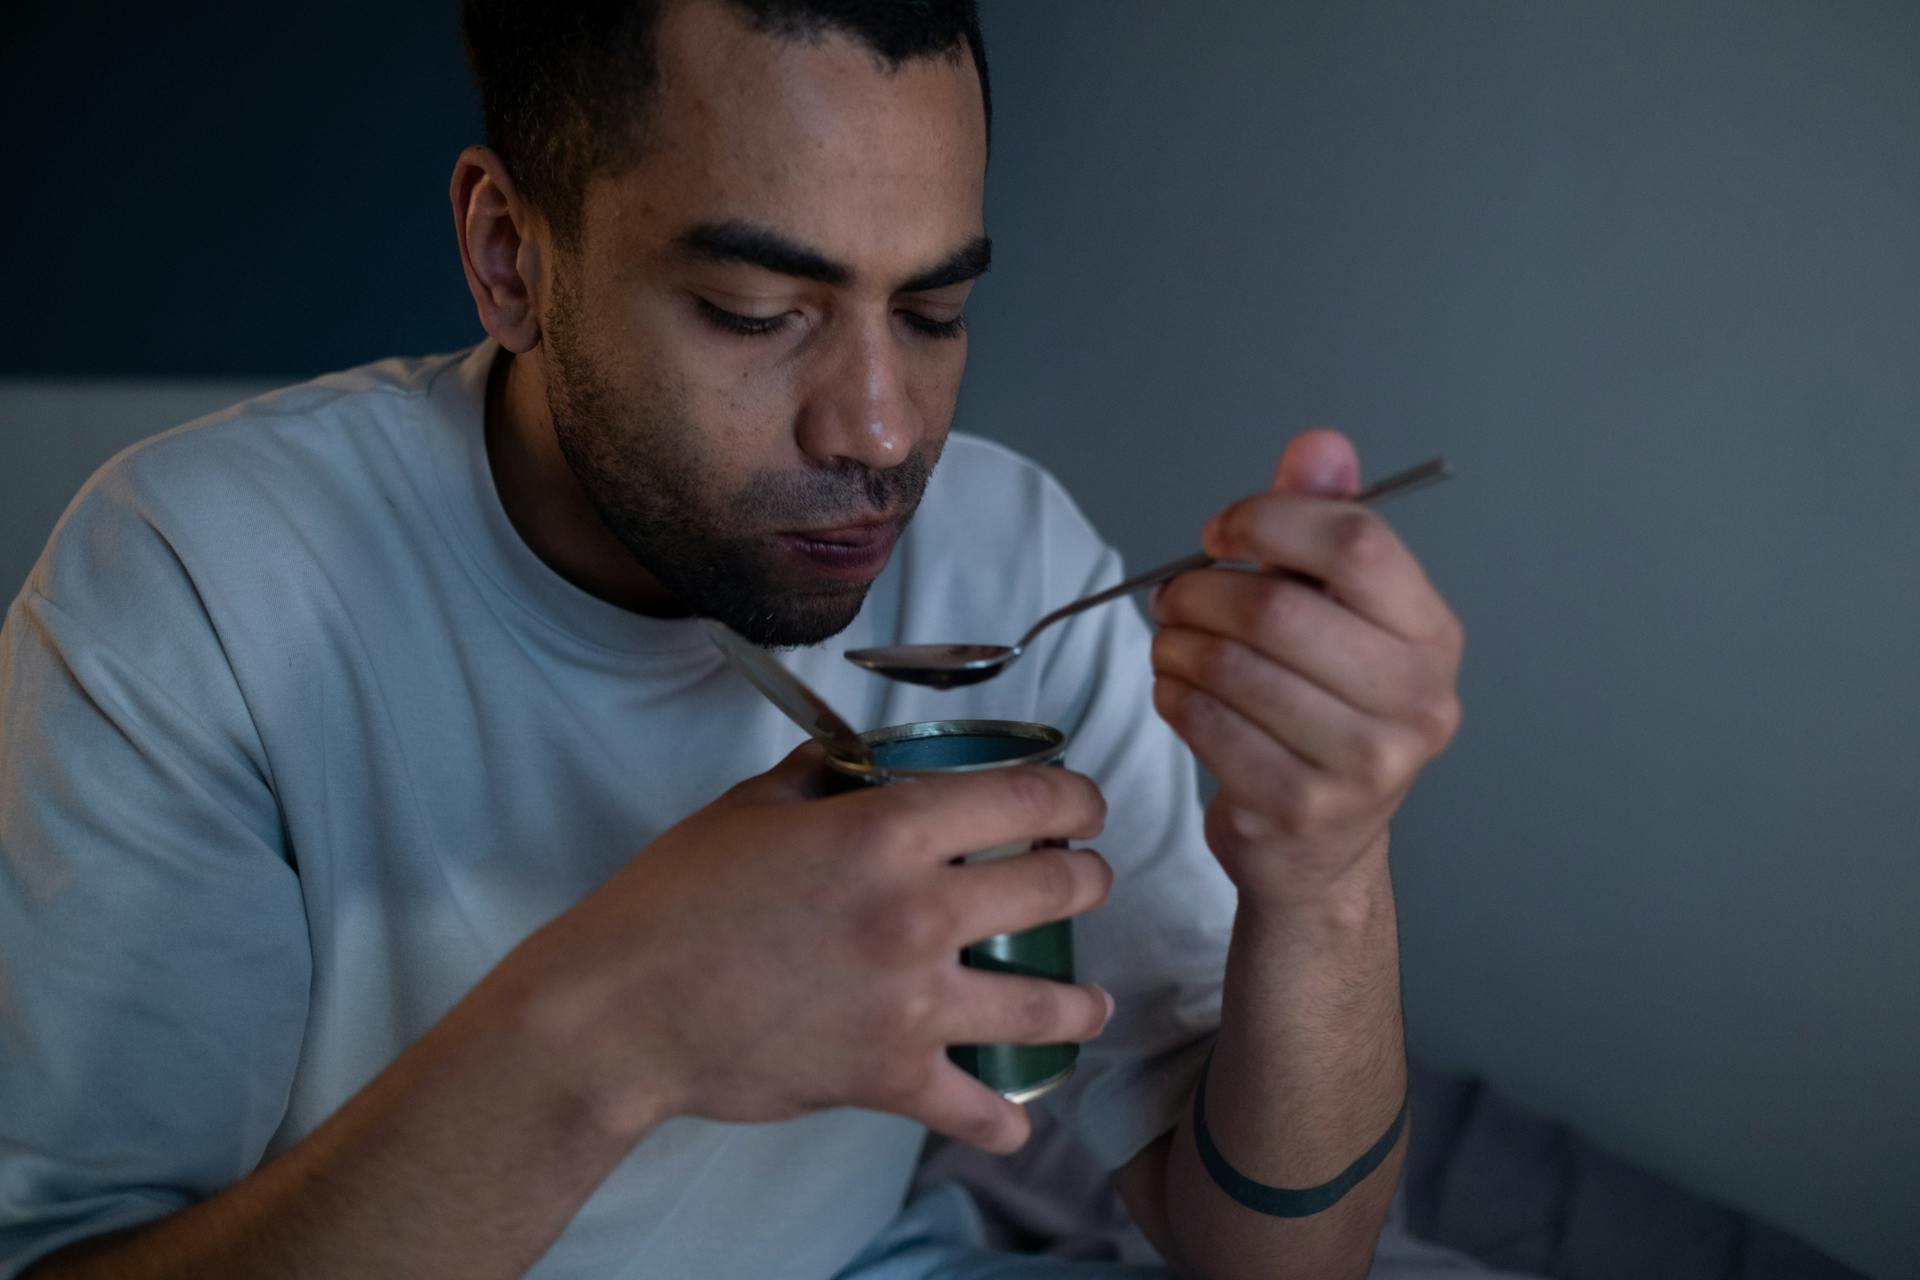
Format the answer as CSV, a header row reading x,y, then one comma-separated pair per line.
x,y
901,753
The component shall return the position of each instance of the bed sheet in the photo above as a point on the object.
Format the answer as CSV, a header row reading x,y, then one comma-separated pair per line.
x,y
1488,1190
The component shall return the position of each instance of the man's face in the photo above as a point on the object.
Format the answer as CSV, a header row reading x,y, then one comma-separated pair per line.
x,y
752,361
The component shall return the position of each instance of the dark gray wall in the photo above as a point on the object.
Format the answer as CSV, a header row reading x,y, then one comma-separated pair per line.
x,y
230,188
1648,272
1645,270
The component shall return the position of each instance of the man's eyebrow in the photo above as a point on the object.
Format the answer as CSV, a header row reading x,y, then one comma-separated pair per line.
x,y
759,246
967,262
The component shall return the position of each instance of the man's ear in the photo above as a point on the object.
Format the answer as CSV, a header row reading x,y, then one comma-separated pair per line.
x,y
499,248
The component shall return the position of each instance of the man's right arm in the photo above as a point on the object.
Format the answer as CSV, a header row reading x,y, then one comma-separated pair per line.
x,y
154,951
841,987
466,1157
155,969
155,955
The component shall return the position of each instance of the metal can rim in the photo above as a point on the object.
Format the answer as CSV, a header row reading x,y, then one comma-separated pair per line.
x,y
1050,744
1027,1093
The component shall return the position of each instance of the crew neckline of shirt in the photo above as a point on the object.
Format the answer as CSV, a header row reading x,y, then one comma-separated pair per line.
x,y
457,396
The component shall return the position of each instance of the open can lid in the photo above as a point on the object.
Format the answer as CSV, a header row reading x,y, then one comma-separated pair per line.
x,y
929,748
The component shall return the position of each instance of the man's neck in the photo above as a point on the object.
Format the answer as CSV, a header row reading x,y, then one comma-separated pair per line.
x,y
544,499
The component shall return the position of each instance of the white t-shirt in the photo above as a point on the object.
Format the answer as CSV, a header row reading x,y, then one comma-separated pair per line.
x,y
298,739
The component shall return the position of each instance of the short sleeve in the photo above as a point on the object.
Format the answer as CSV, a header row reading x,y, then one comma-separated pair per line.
x,y
1159,943
154,963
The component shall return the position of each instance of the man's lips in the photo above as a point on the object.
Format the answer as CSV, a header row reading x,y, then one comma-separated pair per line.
x,y
854,552
850,535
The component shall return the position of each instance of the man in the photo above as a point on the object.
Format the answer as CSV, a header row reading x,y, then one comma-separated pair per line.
x,y
380,894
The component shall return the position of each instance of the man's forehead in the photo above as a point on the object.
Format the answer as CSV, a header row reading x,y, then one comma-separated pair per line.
x,y
880,169
709,53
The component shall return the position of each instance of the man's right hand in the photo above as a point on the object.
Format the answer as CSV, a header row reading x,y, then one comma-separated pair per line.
x,y
776,953
783,951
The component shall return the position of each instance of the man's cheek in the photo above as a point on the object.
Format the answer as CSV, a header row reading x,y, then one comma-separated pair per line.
x,y
935,392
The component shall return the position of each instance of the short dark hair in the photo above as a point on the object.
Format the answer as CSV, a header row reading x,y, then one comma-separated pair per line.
x,y
564,87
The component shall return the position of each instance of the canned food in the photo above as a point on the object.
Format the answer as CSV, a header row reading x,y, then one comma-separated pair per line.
x,y
1019,1072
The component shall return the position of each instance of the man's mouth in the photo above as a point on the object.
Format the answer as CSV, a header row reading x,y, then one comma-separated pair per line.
x,y
852,553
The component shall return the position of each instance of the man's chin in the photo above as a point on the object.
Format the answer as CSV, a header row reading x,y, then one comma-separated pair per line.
x,y
794,619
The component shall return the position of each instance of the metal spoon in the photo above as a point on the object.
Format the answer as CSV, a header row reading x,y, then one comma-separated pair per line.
x,y
790,693
947,666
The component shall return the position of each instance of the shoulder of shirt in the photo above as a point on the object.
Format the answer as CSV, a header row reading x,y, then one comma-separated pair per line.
x,y
295,434
231,482
335,409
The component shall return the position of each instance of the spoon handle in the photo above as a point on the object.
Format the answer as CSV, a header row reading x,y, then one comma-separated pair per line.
x,y
790,693
1433,469
1198,560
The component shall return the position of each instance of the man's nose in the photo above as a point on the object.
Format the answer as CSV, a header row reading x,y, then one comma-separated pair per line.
x,y
859,407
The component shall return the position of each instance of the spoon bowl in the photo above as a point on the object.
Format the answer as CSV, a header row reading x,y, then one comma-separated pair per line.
x,y
944,666
949,666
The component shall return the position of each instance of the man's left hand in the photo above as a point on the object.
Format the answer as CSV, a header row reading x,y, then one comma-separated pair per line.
x,y
1316,691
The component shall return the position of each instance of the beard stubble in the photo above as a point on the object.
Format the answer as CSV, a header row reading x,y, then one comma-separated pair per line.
x,y
646,475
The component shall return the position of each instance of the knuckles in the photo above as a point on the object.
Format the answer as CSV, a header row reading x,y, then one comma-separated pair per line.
x,y
1051,801
899,930
1032,792
1219,656
900,1079
1452,634
899,822
1438,723
907,1019
1359,541
1274,609
1179,703
1354,539
1036,1014
1234,528
1189,654
1056,886
881,830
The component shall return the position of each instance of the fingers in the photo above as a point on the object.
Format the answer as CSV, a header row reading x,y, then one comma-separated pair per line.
x,y
1297,626
1319,460
1362,561
935,819
991,1008
926,917
1246,760
1005,1008
1006,895
1324,730
954,1103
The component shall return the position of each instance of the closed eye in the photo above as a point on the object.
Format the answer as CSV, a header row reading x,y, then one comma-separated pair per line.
x,y
935,328
735,323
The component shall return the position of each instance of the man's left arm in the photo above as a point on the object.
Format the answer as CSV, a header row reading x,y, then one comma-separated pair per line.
x,y
1315,693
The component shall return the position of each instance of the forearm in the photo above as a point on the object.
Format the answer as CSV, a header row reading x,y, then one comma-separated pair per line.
x,y
465,1158
1308,1073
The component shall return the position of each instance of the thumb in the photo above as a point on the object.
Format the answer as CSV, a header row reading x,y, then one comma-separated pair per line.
x,y
1319,461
